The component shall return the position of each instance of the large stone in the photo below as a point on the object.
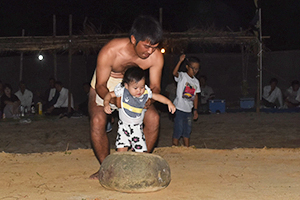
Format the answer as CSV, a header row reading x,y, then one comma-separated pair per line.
x,y
134,172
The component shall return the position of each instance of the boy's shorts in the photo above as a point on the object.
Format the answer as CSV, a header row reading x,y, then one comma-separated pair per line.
x,y
182,124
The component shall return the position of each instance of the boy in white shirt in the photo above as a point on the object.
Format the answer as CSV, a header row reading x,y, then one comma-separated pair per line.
x,y
186,100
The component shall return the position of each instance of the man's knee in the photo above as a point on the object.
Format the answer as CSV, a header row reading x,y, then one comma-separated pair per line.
x,y
151,119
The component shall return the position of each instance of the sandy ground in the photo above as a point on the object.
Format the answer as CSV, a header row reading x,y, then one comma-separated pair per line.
x,y
234,156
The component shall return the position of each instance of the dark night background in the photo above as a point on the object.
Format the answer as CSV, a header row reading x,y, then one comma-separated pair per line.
x,y
279,18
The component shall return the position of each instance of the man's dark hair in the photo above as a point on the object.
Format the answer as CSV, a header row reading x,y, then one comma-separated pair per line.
x,y
146,28
274,80
295,82
133,73
59,83
204,77
7,85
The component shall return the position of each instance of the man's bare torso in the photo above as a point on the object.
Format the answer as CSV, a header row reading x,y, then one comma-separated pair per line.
x,y
124,56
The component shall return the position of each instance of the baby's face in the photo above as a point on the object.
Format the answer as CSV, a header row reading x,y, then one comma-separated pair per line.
x,y
136,89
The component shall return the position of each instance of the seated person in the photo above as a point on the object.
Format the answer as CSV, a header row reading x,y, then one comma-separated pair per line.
x,y
272,96
207,94
10,103
1,89
24,95
51,95
292,95
61,105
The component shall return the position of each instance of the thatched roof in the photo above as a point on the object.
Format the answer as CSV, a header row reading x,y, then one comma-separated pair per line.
x,y
97,41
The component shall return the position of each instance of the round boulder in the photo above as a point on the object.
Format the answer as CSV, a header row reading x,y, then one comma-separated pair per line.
x,y
134,172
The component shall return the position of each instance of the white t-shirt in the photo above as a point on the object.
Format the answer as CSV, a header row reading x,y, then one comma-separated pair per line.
x,y
187,88
62,101
206,93
293,96
26,98
276,94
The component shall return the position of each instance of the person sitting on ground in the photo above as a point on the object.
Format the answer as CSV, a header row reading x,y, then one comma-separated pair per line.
x,y
62,104
134,95
272,96
50,96
207,94
292,94
186,100
1,89
24,95
10,103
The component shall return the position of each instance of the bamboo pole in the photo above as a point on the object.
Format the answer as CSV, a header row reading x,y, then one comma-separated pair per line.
x,y
54,52
70,63
21,60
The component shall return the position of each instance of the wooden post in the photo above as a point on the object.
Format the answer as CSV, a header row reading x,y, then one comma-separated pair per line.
x,y
54,52
160,16
259,75
70,63
21,60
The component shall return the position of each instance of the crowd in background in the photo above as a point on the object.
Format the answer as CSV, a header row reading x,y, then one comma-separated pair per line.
x,y
56,100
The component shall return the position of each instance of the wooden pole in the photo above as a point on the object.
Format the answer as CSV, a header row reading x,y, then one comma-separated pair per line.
x,y
160,16
259,74
21,59
70,63
54,52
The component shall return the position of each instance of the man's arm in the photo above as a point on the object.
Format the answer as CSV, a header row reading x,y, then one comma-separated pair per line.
x,y
103,70
155,72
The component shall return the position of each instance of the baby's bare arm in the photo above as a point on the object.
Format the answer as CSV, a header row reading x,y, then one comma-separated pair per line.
x,y
164,100
106,101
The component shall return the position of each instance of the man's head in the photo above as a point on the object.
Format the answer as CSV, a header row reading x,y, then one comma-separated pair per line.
x,y
295,85
51,82
145,34
22,86
58,85
273,83
134,81
203,80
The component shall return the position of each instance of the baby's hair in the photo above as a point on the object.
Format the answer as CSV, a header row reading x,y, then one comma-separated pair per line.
x,y
133,73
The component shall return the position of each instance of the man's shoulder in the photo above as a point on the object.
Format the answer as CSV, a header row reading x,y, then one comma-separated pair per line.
x,y
117,43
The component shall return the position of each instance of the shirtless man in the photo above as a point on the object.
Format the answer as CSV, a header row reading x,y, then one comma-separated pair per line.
x,y
139,48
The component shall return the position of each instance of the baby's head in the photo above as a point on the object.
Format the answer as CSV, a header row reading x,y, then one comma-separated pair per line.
x,y
134,81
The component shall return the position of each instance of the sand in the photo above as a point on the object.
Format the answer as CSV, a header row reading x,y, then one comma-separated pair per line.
x,y
234,156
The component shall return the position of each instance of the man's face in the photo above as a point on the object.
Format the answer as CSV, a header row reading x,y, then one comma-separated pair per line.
x,y
144,48
295,87
22,87
58,87
51,83
273,85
